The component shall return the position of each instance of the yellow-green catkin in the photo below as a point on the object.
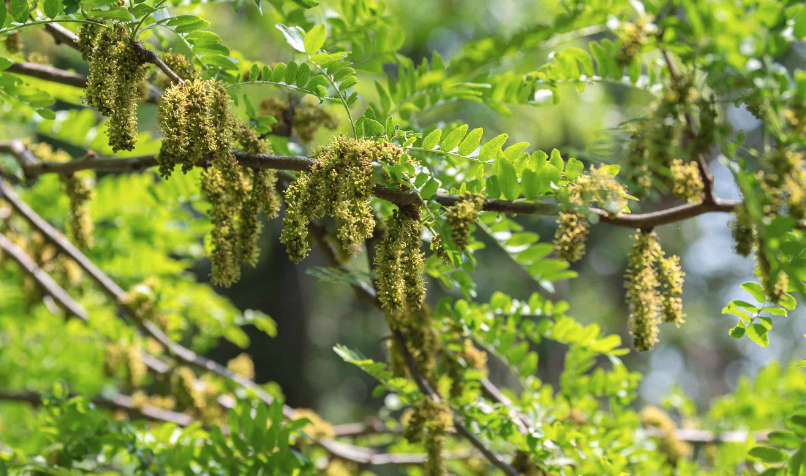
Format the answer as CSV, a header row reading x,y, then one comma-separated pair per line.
x,y
642,284
265,180
569,239
81,226
439,249
339,184
461,216
743,231
596,188
131,70
430,421
107,46
304,119
686,181
177,63
243,366
674,448
526,465
399,263
13,43
671,277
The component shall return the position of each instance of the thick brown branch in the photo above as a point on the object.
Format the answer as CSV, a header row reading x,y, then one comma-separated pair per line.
x,y
48,73
62,35
396,196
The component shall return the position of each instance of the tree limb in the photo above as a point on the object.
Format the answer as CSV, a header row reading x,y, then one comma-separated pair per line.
x,y
396,196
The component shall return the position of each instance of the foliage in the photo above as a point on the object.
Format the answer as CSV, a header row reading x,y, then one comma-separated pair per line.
x,y
124,387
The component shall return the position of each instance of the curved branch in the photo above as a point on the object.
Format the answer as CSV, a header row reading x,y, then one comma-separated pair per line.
x,y
397,196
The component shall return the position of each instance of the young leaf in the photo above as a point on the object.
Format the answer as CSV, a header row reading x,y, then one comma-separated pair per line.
x,y
291,73
490,149
432,139
279,72
19,10
314,39
508,178
54,8
452,140
303,74
293,36
471,142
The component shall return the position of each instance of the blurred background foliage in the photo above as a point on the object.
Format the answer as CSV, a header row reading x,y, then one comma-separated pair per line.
x,y
698,361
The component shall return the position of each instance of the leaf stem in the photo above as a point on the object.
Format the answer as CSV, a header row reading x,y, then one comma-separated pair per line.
x,y
45,22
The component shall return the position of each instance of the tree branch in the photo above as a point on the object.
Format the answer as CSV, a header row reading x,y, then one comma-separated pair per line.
x,y
399,197
42,278
48,73
115,402
149,56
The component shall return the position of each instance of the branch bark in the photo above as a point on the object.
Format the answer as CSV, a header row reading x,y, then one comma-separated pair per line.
x,y
399,197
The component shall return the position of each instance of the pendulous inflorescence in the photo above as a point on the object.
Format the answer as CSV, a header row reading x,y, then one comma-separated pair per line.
x,y
461,216
199,127
116,70
654,285
339,184
430,421
596,188
642,290
303,119
399,262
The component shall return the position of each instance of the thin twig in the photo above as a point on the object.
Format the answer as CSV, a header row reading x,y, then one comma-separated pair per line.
x,y
397,196
149,56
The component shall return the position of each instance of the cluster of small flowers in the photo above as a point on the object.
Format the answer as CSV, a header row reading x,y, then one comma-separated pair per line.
x,y
243,366
421,338
140,399
116,70
399,262
674,448
526,465
13,43
461,216
429,421
142,299
654,285
317,427
304,120
200,398
655,143
340,185
634,36
129,357
177,63
686,181
197,122
596,188
468,357
78,189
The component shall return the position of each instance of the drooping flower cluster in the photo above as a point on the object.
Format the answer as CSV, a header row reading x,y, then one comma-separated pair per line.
x,y
642,290
339,184
430,421
783,181
302,119
671,277
116,70
596,188
467,357
198,125
141,300
656,143
128,356
399,263
674,448
243,366
78,188
743,231
13,43
200,397
318,426
686,181
461,216
177,63
654,285
634,36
